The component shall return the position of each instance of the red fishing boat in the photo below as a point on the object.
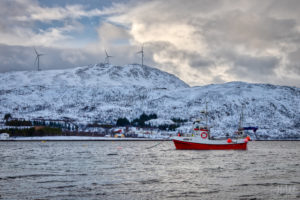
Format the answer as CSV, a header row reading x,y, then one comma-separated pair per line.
x,y
200,139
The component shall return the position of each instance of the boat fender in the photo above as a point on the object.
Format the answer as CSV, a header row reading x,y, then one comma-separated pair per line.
x,y
204,135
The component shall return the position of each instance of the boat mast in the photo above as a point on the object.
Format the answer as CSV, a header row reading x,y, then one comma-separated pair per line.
x,y
206,119
240,129
241,118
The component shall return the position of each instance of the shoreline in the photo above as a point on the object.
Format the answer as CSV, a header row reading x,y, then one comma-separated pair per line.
x,y
86,138
78,138
81,140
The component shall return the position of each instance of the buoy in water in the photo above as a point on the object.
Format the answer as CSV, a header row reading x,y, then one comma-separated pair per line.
x,y
43,141
229,140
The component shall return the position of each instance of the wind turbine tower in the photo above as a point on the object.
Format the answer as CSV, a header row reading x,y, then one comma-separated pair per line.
x,y
142,52
37,59
107,57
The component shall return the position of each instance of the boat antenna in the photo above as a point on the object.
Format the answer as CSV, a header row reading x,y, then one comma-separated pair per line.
x,y
205,114
242,117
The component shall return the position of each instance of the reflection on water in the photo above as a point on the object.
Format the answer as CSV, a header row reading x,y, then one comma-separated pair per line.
x,y
131,170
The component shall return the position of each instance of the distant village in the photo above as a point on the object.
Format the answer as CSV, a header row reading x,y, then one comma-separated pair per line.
x,y
122,128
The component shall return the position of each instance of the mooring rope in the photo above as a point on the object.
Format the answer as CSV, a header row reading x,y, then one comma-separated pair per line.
x,y
159,143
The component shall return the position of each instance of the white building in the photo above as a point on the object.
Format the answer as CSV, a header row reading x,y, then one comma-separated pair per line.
x,y
4,136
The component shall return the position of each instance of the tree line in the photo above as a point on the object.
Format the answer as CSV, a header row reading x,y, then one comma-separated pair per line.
x,y
137,121
31,132
57,127
140,122
9,121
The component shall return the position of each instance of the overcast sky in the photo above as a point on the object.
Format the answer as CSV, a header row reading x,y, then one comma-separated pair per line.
x,y
201,41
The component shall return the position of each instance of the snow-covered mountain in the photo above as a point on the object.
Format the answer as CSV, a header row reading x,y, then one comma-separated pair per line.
x,y
98,76
105,93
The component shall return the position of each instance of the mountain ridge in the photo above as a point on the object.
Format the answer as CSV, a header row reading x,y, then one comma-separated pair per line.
x,y
94,75
105,92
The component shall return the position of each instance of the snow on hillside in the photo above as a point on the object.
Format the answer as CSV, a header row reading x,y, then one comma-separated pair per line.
x,y
105,93
100,75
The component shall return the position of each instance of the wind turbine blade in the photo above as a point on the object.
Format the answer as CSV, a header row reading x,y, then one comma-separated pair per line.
x,y
35,60
35,51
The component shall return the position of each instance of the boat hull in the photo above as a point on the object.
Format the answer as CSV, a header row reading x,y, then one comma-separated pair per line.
x,y
185,145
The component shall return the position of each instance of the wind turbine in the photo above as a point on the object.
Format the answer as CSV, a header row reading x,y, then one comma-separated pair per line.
x,y
142,52
37,59
107,57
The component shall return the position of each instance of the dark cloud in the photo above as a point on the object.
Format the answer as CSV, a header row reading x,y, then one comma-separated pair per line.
x,y
249,30
10,11
16,58
254,68
218,79
294,62
261,65
198,62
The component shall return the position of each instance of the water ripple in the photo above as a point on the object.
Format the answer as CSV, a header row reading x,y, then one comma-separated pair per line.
x,y
128,170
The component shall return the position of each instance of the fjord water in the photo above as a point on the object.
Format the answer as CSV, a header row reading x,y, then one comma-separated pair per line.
x,y
134,170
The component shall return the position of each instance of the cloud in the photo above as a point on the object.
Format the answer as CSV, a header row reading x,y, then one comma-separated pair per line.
x,y
16,58
253,68
200,41
31,10
28,23
110,33
195,37
294,62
